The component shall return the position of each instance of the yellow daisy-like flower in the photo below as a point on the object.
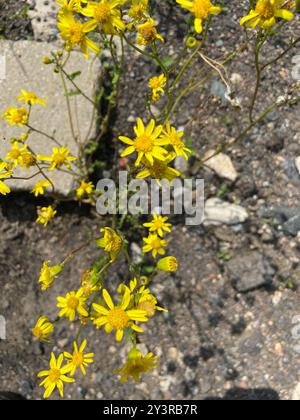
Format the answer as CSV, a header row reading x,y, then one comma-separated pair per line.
x,y
266,14
139,9
40,187
157,85
72,304
45,215
201,9
74,33
43,329
105,13
30,98
60,157
147,33
28,160
16,116
48,275
111,242
16,153
148,302
173,137
168,264
70,5
155,244
136,365
4,166
159,170
86,188
55,376
147,143
118,317
78,359
159,224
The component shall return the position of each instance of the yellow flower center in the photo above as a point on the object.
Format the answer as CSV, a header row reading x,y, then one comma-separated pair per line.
x,y
54,375
78,359
148,306
59,159
176,142
102,13
148,33
201,8
118,318
156,243
265,9
29,159
76,33
72,302
15,154
143,144
158,224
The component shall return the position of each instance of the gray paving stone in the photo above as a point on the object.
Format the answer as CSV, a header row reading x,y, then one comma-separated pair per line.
x,y
24,69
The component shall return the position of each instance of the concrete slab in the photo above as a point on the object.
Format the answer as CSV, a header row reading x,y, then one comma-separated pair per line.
x,y
25,70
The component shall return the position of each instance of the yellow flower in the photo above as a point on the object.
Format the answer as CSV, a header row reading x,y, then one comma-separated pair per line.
x,y
39,188
86,188
148,302
159,170
155,245
75,33
16,153
28,160
31,98
43,329
169,264
16,116
71,304
48,275
70,5
4,166
105,13
118,317
157,85
111,242
266,14
45,215
59,158
89,283
78,359
136,365
173,137
201,9
146,143
138,9
159,224
147,33
55,376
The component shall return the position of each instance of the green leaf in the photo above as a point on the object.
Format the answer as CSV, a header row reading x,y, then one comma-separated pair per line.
x,y
73,76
